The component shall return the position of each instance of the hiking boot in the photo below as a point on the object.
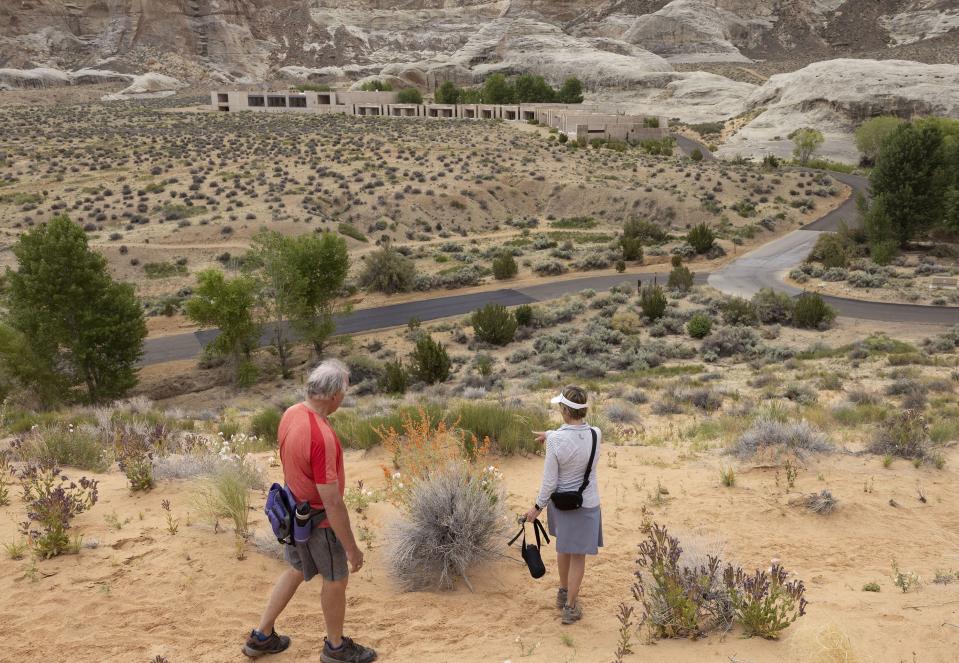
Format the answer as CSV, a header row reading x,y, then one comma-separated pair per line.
x,y
349,652
572,613
561,595
276,643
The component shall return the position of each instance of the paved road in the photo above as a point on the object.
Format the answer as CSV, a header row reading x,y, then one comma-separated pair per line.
x,y
766,266
188,346
761,268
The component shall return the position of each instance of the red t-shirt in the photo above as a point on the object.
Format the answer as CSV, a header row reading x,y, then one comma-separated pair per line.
x,y
311,454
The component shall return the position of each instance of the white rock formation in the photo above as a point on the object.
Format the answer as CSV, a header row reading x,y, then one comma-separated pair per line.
x,y
39,77
147,86
910,27
836,96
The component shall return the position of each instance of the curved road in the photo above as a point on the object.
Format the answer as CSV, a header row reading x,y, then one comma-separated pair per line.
x,y
762,268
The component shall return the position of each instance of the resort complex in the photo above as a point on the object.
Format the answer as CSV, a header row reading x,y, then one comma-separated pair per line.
x,y
577,121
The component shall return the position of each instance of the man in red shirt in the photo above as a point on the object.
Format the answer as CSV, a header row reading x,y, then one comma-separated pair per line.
x,y
312,459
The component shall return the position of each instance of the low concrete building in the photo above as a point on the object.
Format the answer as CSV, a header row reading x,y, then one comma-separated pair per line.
x,y
581,122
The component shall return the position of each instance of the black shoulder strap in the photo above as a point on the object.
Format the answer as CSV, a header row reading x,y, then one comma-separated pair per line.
x,y
521,532
538,527
589,464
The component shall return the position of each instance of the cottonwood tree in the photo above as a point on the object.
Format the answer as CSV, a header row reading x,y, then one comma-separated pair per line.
x,y
228,305
268,260
571,92
69,324
318,264
806,141
872,133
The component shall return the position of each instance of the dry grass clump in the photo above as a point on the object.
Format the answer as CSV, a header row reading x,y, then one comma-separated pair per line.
x,y
906,435
789,438
453,520
826,644
620,413
822,502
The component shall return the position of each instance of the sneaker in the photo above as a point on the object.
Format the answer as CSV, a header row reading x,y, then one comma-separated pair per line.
x,y
572,613
561,595
276,643
350,652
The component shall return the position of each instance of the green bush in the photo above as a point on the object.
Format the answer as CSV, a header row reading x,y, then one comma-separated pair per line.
x,y
429,360
163,270
773,307
523,315
388,271
658,146
313,87
358,432
63,445
265,424
409,95
652,301
504,266
701,238
351,231
646,231
707,128
376,86
739,312
494,324
697,155
832,250
811,312
395,379
699,326
680,278
507,427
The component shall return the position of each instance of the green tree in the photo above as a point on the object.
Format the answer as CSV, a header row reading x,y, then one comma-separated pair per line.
x,y
906,183
504,266
429,360
268,258
69,322
319,264
571,92
872,133
388,271
497,90
805,142
447,93
376,85
409,95
494,324
228,306
680,278
811,312
532,89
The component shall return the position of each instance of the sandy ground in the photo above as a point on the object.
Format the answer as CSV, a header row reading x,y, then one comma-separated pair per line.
x,y
142,592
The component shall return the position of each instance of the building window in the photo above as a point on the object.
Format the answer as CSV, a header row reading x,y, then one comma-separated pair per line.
x,y
223,98
255,101
276,102
297,102
324,99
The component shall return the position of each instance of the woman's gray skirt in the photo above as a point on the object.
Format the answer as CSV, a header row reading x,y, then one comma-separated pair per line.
x,y
577,532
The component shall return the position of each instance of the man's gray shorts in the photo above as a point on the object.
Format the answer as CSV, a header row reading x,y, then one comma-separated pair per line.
x,y
324,556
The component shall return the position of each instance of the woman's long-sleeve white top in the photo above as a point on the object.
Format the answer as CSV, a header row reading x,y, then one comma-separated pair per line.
x,y
567,452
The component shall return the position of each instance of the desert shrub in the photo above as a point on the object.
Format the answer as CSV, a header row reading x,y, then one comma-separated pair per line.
x,y
429,360
619,413
764,603
134,446
789,438
647,232
811,312
63,445
523,315
699,326
395,379
739,312
652,301
773,307
680,278
707,400
906,435
701,238
731,341
351,231
800,393
227,495
494,324
504,266
549,268
53,501
832,250
265,424
388,271
409,95
451,521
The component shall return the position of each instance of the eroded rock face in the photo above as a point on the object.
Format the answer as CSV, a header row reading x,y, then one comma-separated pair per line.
x,y
835,97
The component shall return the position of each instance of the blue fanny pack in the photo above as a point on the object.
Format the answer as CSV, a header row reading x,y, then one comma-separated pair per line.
x,y
292,522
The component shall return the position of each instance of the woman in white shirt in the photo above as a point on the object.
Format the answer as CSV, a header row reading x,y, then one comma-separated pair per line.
x,y
578,531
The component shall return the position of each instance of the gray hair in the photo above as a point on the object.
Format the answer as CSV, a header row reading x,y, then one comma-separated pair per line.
x,y
328,379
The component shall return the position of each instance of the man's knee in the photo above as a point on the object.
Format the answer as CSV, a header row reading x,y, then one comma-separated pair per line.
x,y
335,586
294,575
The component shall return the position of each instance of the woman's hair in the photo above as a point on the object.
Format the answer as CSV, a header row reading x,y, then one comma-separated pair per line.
x,y
328,379
577,395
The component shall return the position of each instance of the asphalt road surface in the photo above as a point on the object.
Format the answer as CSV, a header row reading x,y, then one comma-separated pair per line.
x,y
764,267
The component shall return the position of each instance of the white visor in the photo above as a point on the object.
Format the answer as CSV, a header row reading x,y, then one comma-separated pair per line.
x,y
568,403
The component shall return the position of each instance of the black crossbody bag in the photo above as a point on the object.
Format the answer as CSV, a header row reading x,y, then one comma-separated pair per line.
x,y
573,499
